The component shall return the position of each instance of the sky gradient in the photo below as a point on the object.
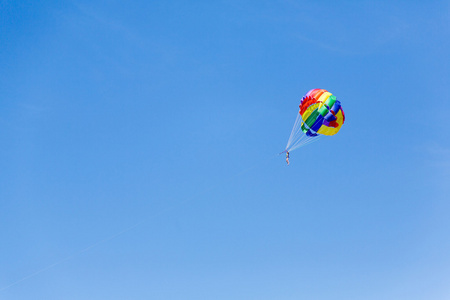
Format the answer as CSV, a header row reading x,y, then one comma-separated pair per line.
x,y
140,140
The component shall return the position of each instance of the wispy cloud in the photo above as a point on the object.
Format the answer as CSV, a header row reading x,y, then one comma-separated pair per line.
x,y
107,22
356,28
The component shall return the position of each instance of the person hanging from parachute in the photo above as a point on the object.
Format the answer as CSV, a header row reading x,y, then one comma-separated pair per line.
x,y
320,114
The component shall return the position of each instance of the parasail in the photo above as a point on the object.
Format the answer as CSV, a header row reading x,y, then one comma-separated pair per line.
x,y
320,114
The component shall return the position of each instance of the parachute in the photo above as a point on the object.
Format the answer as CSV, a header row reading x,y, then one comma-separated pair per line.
x,y
320,114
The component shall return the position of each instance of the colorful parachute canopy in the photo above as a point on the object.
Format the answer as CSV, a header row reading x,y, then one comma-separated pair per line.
x,y
320,114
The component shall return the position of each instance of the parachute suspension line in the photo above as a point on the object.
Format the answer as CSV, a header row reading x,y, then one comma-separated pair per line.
x,y
303,138
297,134
310,116
298,138
303,141
294,131
308,141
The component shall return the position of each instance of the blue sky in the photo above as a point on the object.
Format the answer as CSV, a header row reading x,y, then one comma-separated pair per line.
x,y
140,140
